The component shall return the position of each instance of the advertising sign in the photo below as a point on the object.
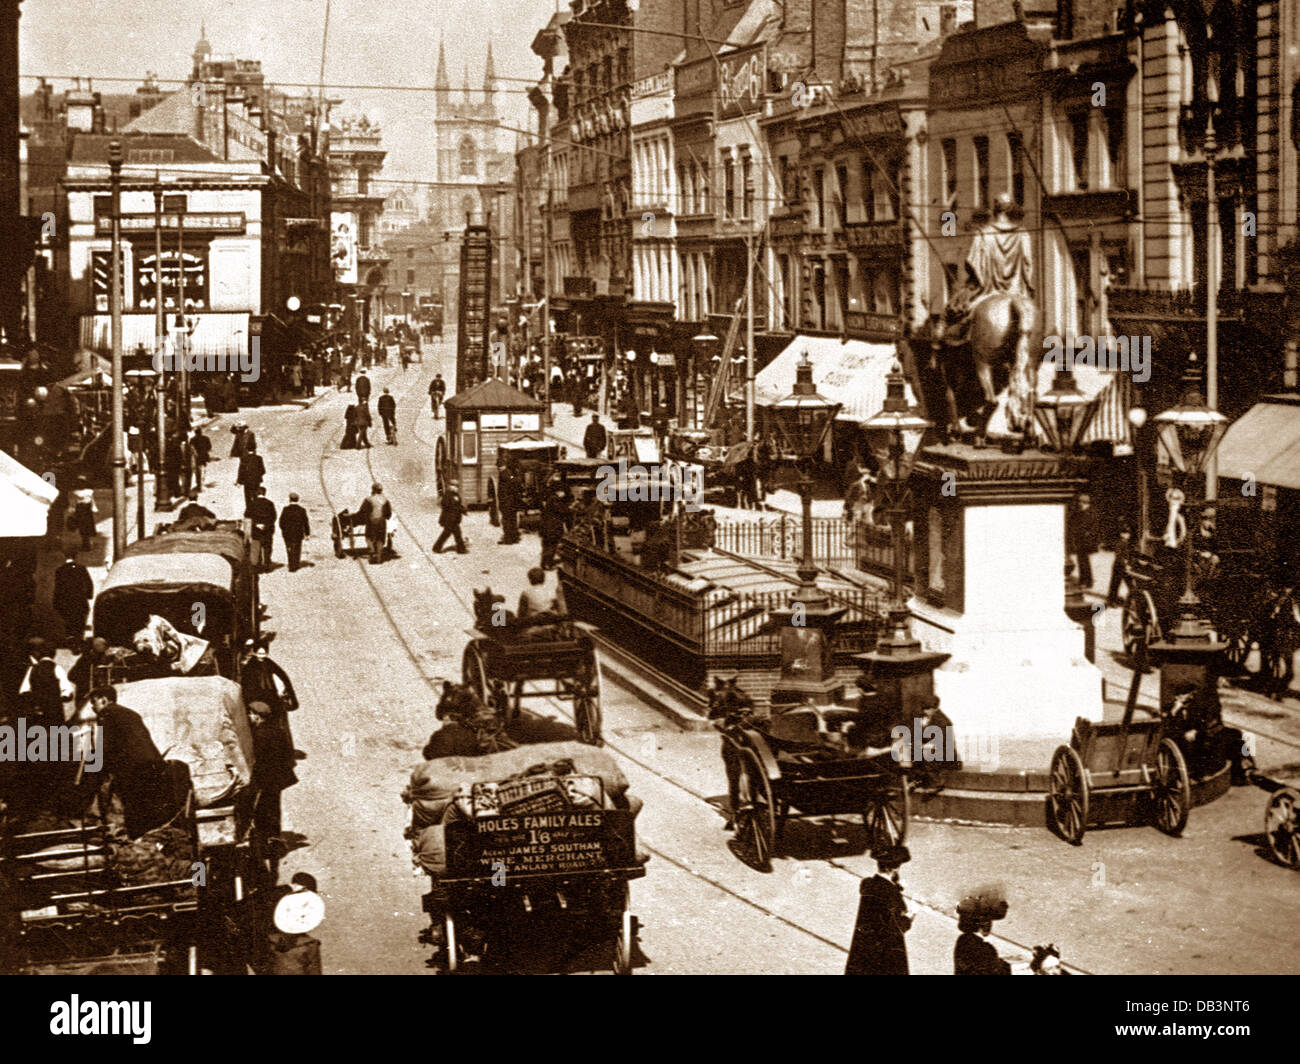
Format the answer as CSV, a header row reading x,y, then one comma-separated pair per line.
x,y
343,246
741,79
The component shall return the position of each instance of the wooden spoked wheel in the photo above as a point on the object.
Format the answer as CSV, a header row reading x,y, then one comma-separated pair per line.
x,y
623,936
473,671
1240,644
586,701
1067,801
755,812
886,815
489,730
449,929
1171,791
1140,625
1281,827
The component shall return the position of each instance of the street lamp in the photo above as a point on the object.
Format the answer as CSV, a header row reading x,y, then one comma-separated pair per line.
x,y
894,435
803,418
704,346
1188,434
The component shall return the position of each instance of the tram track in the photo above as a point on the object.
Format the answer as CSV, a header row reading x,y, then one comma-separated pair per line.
x,y
558,707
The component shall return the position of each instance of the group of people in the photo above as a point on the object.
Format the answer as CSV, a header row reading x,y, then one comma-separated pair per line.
x,y
357,419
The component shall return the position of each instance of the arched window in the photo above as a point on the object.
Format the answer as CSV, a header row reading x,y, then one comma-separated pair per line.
x,y
468,157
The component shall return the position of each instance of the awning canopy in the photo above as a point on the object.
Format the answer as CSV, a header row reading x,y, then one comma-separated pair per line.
x,y
214,335
1264,444
851,372
24,500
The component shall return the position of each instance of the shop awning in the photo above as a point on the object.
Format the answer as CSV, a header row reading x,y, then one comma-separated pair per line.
x,y
851,372
1264,444
1111,395
215,334
24,500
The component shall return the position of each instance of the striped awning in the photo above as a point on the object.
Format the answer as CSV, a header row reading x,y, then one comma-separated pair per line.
x,y
851,372
1111,406
215,334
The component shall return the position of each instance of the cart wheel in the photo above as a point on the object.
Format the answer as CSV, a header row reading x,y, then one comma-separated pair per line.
x,y
1068,801
886,815
586,702
1139,623
1282,829
755,816
449,928
623,938
473,670
1239,643
1171,789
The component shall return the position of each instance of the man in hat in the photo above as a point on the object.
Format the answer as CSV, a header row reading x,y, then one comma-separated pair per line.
x,y
261,511
251,471
376,511
509,497
137,770
879,945
201,450
363,422
73,590
294,527
263,680
556,517
387,407
45,686
595,438
437,392
974,955
449,517
193,511
361,387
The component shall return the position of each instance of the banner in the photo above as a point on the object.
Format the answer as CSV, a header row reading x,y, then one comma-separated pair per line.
x,y
343,246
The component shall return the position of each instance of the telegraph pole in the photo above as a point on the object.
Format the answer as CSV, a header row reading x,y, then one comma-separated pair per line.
x,y
162,498
118,459
749,336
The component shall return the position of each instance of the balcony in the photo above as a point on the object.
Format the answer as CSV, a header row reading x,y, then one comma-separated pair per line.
x,y
1099,206
789,224
870,236
1162,304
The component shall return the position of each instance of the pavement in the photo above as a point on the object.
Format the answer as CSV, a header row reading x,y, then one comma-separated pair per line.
x,y
368,648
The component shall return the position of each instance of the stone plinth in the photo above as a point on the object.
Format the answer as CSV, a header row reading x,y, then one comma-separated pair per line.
x,y
990,559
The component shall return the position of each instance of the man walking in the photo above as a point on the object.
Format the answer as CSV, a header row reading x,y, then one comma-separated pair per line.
x,y
879,945
363,423
555,519
294,527
73,590
201,448
595,439
375,512
1082,528
362,388
261,511
509,497
437,392
251,471
387,407
449,518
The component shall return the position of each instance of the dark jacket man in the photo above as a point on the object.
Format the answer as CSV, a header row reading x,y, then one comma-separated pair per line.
x,y
595,439
361,386
261,511
73,590
449,517
251,471
509,497
201,447
138,770
375,511
386,405
555,519
82,673
294,527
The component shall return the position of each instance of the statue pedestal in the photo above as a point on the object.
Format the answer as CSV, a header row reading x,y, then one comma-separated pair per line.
x,y
990,558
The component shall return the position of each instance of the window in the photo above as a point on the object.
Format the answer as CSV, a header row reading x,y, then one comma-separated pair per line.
x,y
410,253
1016,167
949,162
841,193
789,186
787,291
1079,148
819,294
728,188
842,289
683,207
819,192
981,161
705,204
1114,121
868,190
747,178
410,277
468,157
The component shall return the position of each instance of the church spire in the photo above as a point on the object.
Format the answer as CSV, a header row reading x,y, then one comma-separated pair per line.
x,y
464,85
489,75
442,83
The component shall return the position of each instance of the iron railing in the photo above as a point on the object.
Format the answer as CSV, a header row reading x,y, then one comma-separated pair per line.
x,y
781,539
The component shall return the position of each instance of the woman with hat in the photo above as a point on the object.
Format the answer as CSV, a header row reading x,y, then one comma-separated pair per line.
x,y
974,954
879,945
262,680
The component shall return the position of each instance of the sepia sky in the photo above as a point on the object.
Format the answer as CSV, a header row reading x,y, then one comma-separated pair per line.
x,y
371,42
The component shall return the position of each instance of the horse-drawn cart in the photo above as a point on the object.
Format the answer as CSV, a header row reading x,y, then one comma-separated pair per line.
x,y
549,658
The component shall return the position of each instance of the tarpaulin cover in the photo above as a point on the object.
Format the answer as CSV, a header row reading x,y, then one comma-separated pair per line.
x,y
200,720
24,500
169,571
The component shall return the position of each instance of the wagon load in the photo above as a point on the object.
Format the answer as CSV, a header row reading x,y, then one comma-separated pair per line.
x,y
216,746
434,784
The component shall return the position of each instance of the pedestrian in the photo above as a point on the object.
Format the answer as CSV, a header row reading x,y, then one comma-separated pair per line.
x,y
261,511
375,511
879,945
575,390
595,438
387,407
73,590
82,520
94,655
745,476
273,772
174,458
244,441
349,428
45,686
194,513
1082,527
1119,568
201,448
294,527
452,511
973,954
555,519
362,388
262,680
406,359
764,466
137,770
437,392
251,471
363,423
509,497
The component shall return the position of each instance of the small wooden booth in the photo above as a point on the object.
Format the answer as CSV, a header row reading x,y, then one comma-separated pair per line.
x,y
479,420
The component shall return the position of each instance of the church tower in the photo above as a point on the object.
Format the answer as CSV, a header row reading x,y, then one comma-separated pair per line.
x,y
489,78
441,83
202,50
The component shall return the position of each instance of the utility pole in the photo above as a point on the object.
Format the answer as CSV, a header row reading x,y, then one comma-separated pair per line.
x,y
162,497
749,336
1211,284
546,252
118,459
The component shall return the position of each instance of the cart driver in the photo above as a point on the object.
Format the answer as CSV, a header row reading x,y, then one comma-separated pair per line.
x,y
538,601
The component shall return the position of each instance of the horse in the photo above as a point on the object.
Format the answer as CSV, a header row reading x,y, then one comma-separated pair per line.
x,y
460,705
996,354
490,611
733,708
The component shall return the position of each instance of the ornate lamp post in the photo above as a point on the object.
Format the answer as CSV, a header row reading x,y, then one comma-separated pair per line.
x,y
704,345
803,418
1189,434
